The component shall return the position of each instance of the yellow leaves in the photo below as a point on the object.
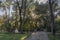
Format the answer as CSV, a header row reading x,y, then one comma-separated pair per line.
x,y
13,23
33,23
9,21
18,19
18,23
23,38
38,23
30,21
6,4
57,19
1,22
32,8
14,17
34,16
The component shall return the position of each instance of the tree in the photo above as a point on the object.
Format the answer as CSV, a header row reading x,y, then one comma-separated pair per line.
x,y
52,18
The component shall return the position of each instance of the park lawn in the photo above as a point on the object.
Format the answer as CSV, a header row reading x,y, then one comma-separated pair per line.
x,y
57,37
12,36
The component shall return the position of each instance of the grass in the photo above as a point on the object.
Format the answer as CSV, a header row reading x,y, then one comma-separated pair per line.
x,y
57,37
12,36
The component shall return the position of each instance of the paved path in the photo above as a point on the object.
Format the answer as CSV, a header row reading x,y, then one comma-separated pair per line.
x,y
38,36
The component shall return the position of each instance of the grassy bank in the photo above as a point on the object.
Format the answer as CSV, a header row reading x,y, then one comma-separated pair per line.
x,y
12,36
57,37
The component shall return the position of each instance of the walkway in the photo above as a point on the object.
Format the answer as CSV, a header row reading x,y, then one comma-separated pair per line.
x,y
38,36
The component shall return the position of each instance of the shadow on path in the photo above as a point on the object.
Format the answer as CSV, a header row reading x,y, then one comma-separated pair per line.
x,y
38,36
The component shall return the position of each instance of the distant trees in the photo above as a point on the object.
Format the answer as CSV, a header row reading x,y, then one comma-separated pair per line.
x,y
27,16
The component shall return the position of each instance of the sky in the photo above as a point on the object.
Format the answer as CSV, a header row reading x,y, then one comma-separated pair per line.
x,y
44,1
3,11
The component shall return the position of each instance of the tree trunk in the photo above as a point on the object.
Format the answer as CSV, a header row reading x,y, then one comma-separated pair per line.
x,y
52,17
20,13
